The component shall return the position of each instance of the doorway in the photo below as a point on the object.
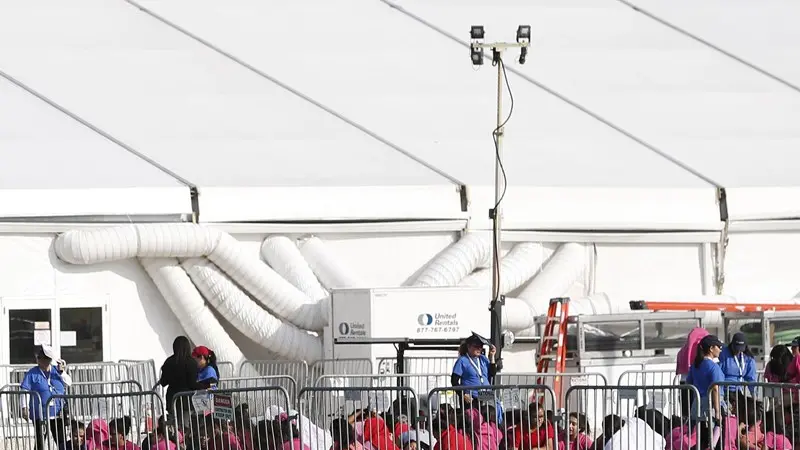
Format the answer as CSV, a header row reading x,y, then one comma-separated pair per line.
x,y
76,328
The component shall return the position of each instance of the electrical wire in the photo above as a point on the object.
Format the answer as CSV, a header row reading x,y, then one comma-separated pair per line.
x,y
496,219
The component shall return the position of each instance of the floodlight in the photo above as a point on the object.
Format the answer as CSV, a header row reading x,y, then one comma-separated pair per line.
x,y
523,33
476,55
476,32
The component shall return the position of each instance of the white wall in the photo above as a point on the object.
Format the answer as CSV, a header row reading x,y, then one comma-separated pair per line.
x,y
142,326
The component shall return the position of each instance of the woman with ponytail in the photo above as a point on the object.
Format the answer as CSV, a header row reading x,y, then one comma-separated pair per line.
x,y
207,371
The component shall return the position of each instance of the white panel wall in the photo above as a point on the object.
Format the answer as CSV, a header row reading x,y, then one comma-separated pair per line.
x,y
760,266
763,266
29,269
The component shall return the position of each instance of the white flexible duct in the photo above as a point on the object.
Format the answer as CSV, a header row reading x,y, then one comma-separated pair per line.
x,y
284,257
330,272
518,266
517,314
456,262
562,270
190,309
191,241
266,286
257,324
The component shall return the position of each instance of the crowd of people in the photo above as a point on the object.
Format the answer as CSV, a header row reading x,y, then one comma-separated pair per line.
x,y
723,413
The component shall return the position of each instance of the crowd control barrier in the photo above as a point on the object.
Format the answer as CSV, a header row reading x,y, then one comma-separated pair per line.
x,y
249,418
648,378
636,417
298,370
285,382
490,409
17,409
761,414
91,421
320,406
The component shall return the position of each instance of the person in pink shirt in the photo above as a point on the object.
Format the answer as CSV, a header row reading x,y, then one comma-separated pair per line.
x,y
578,430
118,430
793,371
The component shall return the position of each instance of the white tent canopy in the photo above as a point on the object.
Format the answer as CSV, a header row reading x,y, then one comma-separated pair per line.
x,y
389,121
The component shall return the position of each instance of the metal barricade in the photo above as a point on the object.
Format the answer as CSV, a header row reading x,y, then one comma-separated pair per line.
x,y
17,409
98,372
633,416
320,406
283,381
423,382
346,366
104,388
12,374
120,418
418,364
771,408
549,379
226,369
298,370
142,371
246,418
648,378
455,413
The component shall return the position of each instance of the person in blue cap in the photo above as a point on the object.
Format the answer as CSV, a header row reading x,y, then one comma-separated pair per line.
x,y
705,372
44,381
737,363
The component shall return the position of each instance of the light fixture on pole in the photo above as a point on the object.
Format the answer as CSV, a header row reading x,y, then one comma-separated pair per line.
x,y
477,47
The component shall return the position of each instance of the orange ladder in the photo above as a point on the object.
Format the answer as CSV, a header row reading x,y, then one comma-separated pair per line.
x,y
554,342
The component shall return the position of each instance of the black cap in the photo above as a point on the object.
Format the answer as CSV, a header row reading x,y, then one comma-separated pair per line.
x,y
738,344
796,342
477,339
710,341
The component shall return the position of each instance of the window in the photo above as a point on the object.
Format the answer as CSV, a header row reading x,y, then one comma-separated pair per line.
x,y
81,334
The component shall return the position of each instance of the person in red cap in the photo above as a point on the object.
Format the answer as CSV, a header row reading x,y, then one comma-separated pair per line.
x,y
207,371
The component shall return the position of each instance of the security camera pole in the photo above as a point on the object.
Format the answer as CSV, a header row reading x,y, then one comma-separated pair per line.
x,y
477,48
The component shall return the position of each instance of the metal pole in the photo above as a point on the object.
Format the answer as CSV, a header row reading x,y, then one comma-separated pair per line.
x,y
497,303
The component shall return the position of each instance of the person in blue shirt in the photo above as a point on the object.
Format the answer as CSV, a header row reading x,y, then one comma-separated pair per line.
x,y
207,372
705,371
473,368
44,381
737,363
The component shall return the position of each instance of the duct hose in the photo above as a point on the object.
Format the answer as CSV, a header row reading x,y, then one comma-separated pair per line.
x,y
189,307
330,272
260,326
191,241
284,257
456,262
517,267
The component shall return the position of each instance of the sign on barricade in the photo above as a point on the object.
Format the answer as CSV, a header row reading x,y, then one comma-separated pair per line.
x,y
283,381
628,413
18,409
130,415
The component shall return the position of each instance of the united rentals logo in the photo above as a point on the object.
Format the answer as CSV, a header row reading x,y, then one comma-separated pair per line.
x,y
425,320
352,329
438,323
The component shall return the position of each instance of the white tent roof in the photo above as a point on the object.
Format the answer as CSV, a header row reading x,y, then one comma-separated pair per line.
x,y
381,98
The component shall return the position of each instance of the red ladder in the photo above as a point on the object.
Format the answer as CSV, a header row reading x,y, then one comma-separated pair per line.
x,y
554,342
